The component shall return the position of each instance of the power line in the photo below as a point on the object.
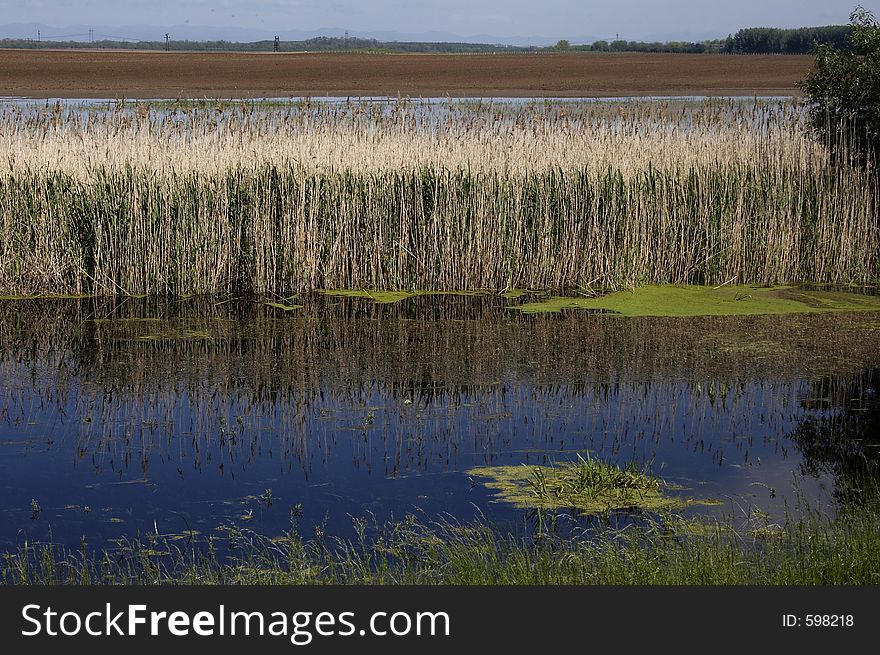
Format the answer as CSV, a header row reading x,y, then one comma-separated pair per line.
x,y
60,36
120,38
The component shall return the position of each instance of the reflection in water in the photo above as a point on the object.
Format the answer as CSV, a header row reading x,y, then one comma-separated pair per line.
x,y
842,436
120,417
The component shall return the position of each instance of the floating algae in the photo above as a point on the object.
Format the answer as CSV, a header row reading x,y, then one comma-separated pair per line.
x,y
675,300
375,296
589,485
666,300
386,297
282,306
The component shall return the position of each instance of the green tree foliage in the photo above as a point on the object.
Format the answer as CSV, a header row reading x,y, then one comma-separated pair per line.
x,y
712,46
844,89
800,41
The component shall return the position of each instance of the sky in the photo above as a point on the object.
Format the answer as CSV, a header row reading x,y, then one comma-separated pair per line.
x,y
552,19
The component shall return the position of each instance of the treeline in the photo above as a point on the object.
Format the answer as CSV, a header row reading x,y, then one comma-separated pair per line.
x,y
753,40
800,41
712,46
317,44
329,43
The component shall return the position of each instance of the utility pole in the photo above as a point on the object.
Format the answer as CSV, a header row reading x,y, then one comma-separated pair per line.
x,y
38,36
91,35
167,42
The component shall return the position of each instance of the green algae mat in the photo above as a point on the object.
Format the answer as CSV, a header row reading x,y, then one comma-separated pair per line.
x,y
674,300
663,300
589,485
386,297
651,300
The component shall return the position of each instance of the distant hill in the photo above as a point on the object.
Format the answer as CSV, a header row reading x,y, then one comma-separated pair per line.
x,y
148,33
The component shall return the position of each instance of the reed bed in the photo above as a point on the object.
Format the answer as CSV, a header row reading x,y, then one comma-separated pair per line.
x,y
378,137
249,198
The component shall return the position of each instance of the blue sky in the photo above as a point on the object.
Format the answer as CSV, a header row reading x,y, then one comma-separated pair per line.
x,y
553,19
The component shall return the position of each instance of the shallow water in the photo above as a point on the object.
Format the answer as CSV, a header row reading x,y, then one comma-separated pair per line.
x,y
111,103
71,114
125,417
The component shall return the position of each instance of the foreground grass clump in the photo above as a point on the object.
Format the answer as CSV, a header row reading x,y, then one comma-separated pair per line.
x,y
812,551
589,485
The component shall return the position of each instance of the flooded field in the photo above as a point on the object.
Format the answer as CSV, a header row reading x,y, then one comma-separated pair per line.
x,y
128,417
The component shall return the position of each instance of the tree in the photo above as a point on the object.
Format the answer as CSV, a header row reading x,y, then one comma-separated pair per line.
x,y
844,92
729,44
798,41
563,44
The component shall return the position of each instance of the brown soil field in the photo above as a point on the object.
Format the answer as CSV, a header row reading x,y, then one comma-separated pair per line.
x,y
113,74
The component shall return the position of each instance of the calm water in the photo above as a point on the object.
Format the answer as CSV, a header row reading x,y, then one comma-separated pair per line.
x,y
73,114
119,418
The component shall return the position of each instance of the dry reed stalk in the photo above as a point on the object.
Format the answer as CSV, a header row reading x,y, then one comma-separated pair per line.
x,y
279,200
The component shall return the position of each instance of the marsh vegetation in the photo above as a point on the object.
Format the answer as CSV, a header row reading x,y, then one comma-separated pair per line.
x,y
277,200
270,318
586,484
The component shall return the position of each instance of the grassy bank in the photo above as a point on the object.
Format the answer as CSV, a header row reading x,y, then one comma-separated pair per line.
x,y
276,201
671,551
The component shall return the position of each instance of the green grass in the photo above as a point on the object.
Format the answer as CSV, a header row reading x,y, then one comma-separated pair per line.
x,y
667,550
589,485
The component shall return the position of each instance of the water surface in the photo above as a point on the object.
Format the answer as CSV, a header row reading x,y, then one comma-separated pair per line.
x,y
124,417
